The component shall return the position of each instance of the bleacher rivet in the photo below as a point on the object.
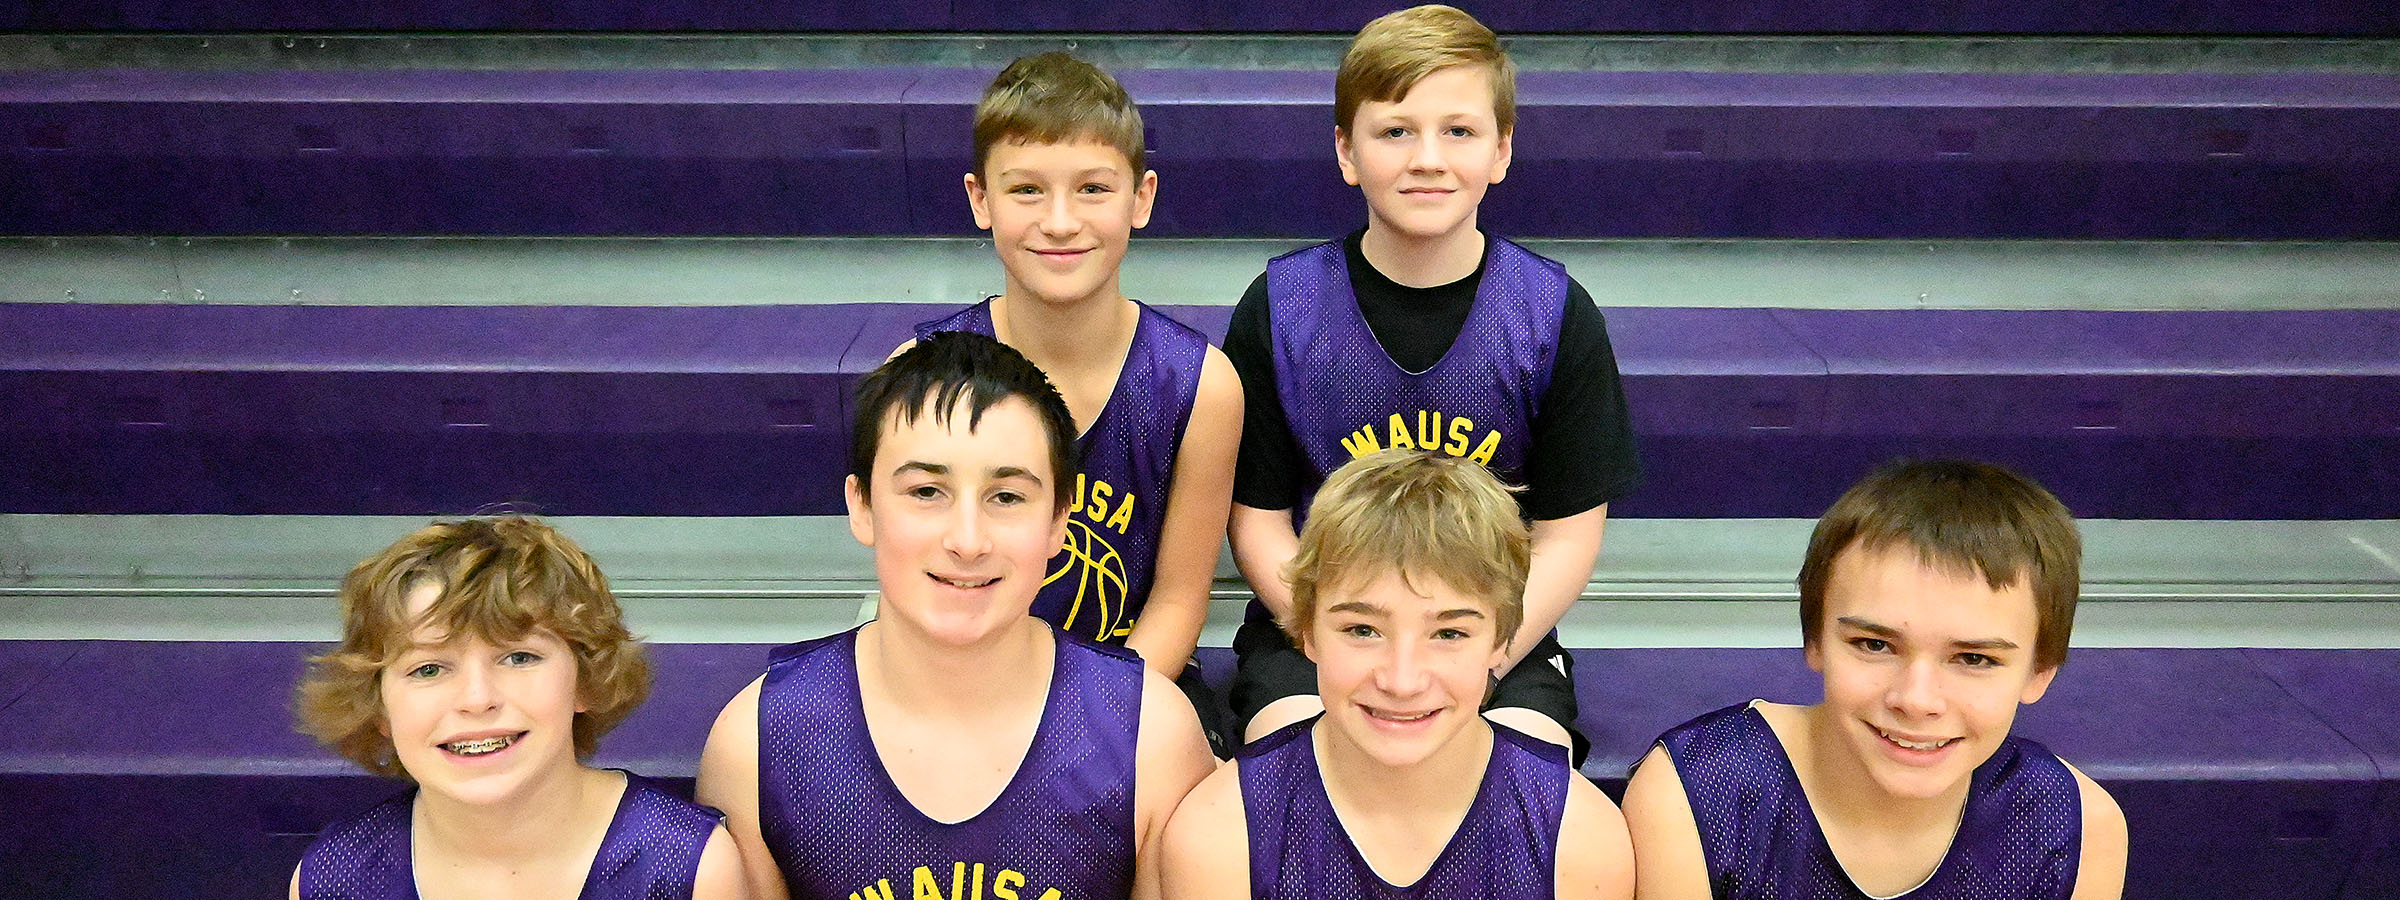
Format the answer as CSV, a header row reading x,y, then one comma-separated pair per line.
x,y
70,293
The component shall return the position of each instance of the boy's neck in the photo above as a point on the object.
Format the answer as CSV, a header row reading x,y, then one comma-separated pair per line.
x,y
1844,795
1089,329
1444,784
1422,261
992,678
524,831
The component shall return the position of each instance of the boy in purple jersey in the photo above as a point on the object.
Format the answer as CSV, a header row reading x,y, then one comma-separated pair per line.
x,y
1419,331
955,745
481,660
1408,584
1059,181
1936,597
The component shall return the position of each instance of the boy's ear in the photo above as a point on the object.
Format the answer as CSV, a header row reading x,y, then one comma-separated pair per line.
x,y
862,516
1500,160
977,202
1341,155
1815,654
2040,685
1145,196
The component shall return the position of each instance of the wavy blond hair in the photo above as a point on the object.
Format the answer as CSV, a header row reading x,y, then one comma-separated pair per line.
x,y
501,579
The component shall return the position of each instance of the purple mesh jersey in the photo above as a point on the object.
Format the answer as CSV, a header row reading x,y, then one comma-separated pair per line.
x,y
1505,849
1099,581
1345,398
838,828
2020,838
651,851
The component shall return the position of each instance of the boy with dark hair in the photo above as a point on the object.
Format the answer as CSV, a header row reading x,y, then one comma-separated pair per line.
x,y
1059,181
1936,598
1418,331
1408,585
954,745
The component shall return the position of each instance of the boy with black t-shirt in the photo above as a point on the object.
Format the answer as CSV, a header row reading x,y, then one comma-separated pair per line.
x,y
1419,331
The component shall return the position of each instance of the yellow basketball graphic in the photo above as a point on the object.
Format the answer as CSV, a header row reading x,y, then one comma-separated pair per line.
x,y
1098,574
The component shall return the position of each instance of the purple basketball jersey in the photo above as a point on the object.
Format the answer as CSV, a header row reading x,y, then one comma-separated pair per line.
x,y
1505,849
651,851
1344,396
2020,838
1099,581
838,828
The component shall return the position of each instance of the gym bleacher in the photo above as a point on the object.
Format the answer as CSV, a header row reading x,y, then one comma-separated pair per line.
x,y
281,280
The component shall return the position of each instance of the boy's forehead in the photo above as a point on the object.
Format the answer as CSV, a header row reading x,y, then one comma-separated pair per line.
x,y
1007,433
1468,84
1898,579
1083,151
1386,585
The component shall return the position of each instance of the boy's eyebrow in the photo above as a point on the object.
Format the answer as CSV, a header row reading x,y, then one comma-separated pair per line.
x,y
1033,175
1869,627
1886,631
1016,472
920,466
1361,607
1459,613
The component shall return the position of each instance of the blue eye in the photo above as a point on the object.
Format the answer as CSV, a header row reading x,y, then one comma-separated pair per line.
x,y
1393,132
1461,131
424,671
521,658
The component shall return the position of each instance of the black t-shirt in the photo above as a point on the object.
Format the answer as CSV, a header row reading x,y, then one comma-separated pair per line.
x,y
1581,454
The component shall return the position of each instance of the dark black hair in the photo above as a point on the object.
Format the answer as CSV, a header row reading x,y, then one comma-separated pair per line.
x,y
944,368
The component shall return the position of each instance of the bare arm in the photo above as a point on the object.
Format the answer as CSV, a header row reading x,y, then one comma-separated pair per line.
x,y
2101,873
1263,543
1207,852
729,781
1563,553
1595,855
1170,757
1667,860
720,876
1198,499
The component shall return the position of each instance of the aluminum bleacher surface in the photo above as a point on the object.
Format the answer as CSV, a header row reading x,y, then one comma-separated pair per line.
x,y
2335,17
2222,411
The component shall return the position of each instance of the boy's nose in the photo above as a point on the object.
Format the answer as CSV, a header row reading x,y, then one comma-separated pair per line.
x,y
967,538
1917,692
475,689
1426,155
1403,672
1058,219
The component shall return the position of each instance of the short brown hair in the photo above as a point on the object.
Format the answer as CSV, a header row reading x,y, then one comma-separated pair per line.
x,y
1053,98
1970,517
501,579
1393,53
1418,513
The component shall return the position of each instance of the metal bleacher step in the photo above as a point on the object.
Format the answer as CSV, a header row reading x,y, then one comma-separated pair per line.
x,y
1241,52
1660,582
1824,274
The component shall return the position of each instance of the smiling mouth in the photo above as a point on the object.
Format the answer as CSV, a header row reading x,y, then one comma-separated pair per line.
x,y
483,746
1919,746
1400,717
965,583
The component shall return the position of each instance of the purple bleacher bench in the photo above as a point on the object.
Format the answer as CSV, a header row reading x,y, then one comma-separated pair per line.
x,y
2280,156
2237,779
718,411
2335,17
